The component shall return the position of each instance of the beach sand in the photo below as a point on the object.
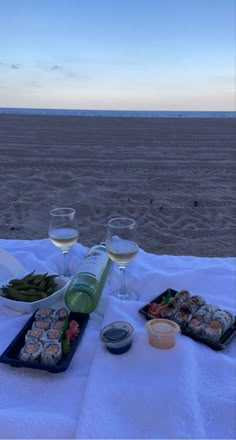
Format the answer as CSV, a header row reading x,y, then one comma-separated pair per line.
x,y
176,177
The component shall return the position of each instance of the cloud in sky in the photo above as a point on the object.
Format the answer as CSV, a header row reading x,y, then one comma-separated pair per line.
x,y
15,66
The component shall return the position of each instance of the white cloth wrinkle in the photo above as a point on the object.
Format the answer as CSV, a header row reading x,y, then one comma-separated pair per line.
x,y
184,392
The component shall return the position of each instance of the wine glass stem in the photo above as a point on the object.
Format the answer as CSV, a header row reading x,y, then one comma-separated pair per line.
x,y
66,266
123,290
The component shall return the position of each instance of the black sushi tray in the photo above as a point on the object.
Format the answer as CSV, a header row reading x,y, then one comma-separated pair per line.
x,y
220,345
11,354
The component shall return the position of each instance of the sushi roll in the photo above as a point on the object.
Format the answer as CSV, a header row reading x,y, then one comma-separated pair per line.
x,y
212,331
181,296
59,325
51,353
42,314
51,336
195,325
41,325
192,304
34,335
168,312
182,316
61,314
31,351
225,318
206,311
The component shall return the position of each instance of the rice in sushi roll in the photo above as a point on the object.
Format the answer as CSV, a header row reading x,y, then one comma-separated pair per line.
x,y
31,351
51,353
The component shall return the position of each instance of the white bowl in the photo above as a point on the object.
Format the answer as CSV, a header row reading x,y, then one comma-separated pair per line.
x,y
29,307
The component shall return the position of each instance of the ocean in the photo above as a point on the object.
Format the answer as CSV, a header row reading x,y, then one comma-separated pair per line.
x,y
120,113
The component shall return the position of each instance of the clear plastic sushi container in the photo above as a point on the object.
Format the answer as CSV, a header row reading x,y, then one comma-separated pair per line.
x,y
203,322
12,354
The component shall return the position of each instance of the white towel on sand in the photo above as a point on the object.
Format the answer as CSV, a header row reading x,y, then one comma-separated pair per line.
x,y
185,392
188,391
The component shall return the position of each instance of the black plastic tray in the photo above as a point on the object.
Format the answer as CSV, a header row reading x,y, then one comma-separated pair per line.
x,y
224,340
10,355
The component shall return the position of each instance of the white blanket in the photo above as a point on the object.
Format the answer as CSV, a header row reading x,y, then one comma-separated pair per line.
x,y
188,391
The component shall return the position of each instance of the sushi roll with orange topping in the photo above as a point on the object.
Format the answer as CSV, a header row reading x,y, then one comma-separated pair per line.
x,y
31,351
51,353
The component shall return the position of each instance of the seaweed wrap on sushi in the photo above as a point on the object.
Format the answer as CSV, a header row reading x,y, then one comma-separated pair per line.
x,y
31,351
51,353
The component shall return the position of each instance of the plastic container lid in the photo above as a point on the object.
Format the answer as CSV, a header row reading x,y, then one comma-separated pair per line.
x,y
162,332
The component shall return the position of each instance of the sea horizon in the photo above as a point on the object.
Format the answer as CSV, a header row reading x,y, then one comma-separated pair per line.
x,y
119,113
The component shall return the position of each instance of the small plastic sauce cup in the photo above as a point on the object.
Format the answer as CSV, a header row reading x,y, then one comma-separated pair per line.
x,y
162,332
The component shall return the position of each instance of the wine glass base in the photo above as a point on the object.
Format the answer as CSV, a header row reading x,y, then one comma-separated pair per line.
x,y
128,296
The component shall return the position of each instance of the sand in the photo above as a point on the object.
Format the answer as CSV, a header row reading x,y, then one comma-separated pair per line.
x,y
176,177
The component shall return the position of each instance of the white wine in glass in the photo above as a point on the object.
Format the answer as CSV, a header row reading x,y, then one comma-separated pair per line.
x,y
122,247
63,232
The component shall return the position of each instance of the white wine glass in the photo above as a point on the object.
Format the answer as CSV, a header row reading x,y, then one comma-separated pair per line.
x,y
63,232
122,247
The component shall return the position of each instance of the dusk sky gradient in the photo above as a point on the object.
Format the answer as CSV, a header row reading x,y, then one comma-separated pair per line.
x,y
118,54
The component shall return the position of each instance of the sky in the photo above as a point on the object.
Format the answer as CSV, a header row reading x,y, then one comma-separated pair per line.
x,y
164,55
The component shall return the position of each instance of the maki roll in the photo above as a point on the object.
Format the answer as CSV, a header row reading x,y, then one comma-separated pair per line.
x,y
212,331
169,311
61,314
41,325
181,296
51,353
34,335
206,311
182,316
42,314
51,336
195,325
192,304
59,325
31,351
225,318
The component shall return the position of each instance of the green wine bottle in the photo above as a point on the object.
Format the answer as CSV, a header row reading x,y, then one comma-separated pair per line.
x,y
86,287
